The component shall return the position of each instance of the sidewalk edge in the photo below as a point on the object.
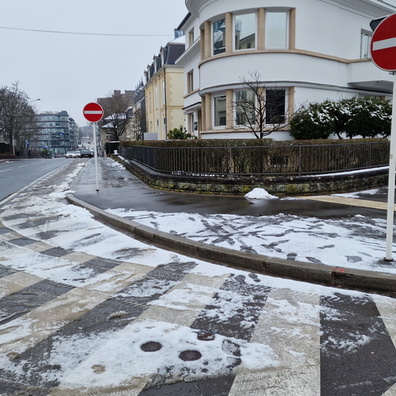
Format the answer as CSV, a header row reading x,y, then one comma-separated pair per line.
x,y
348,278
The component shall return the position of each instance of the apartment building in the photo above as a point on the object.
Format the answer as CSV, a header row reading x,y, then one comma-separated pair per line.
x,y
299,51
164,91
56,133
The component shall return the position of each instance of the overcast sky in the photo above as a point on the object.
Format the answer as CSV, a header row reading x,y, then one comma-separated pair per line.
x,y
66,71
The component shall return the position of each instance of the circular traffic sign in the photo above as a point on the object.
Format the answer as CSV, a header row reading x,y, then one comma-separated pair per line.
x,y
383,44
93,112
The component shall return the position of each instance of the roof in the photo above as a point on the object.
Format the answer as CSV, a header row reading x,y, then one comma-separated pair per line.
x,y
173,51
186,18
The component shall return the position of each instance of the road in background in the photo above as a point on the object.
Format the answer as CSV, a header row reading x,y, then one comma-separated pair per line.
x,y
15,175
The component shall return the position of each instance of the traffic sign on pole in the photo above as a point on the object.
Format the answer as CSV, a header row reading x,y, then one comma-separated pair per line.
x,y
93,112
383,44
383,54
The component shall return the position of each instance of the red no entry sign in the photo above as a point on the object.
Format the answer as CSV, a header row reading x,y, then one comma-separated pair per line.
x,y
383,44
93,112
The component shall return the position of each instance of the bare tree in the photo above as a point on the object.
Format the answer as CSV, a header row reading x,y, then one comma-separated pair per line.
x,y
258,109
115,121
16,115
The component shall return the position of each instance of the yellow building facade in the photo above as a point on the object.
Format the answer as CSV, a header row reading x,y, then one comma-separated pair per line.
x,y
164,90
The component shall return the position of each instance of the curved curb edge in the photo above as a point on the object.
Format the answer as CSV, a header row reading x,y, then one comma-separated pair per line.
x,y
348,278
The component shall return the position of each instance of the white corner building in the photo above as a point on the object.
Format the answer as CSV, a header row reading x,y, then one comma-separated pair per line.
x,y
303,50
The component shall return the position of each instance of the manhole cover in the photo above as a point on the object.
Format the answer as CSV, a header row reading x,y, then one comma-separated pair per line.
x,y
190,356
206,336
151,346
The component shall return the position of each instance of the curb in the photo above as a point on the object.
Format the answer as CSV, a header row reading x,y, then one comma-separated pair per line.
x,y
347,278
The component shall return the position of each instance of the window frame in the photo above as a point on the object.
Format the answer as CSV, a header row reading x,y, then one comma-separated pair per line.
x,y
286,30
235,39
365,44
221,50
190,81
191,37
242,114
215,111
284,104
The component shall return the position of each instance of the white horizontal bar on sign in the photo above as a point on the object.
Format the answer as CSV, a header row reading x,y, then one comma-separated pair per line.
x,y
383,44
92,112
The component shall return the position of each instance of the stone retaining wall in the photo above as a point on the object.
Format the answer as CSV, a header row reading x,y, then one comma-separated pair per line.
x,y
277,185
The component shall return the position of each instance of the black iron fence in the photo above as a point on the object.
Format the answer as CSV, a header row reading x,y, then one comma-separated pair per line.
x,y
261,160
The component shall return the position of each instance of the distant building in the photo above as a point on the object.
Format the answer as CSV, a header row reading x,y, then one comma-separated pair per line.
x,y
56,133
136,115
115,100
164,90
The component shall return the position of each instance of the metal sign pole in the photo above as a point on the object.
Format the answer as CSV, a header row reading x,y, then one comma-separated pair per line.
x,y
95,155
391,180
93,112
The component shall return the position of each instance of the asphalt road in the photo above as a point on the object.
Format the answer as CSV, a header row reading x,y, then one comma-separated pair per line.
x,y
15,175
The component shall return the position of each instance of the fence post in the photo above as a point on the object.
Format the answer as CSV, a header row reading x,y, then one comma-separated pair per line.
x,y
299,160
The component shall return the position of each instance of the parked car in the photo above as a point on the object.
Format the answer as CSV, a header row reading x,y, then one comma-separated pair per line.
x,y
86,154
70,154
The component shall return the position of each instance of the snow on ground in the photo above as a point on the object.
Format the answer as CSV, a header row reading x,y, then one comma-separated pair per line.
x,y
259,193
351,242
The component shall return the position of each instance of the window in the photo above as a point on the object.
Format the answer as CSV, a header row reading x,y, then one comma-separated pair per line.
x,y
245,108
191,37
276,31
245,31
219,111
365,38
275,106
219,36
190,81
164,92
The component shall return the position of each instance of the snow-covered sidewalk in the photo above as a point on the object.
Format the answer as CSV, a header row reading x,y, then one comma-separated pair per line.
x,y
349,242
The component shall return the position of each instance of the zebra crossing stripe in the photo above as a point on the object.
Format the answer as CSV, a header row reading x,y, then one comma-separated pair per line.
x,y
15,282
41,322
387,310
184,317
293,334
354,335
